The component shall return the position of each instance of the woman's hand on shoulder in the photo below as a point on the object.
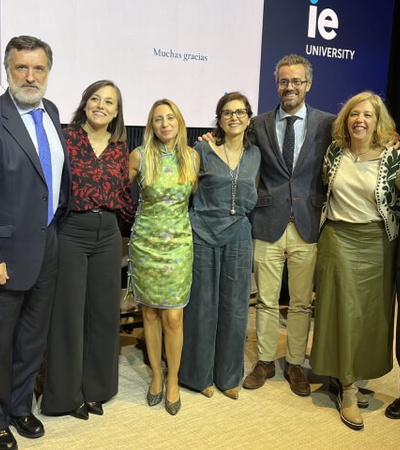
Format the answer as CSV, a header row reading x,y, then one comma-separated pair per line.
x,y
134,164
395,144
208,137
3,273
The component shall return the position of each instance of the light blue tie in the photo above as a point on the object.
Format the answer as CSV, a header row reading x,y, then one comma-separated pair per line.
x,y
45,158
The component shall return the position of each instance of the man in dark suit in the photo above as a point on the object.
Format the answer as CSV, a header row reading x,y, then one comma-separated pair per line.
x,y
28,240
286,219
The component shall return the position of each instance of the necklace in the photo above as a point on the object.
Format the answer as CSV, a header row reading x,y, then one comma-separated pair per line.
x,y
357,158
98,143
234,180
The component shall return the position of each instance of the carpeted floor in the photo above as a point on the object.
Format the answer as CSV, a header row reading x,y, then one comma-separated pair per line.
x,y
271,417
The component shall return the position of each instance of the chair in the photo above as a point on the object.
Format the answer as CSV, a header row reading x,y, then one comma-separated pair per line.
x,y
130,310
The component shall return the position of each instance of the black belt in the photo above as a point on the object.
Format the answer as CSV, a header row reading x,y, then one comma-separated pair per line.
x,y
96,210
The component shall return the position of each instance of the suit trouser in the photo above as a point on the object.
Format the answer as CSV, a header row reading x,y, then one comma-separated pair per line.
x,y
215,319
269,260
24,321
83,343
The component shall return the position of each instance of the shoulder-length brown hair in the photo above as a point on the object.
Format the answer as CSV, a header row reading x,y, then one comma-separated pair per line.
x,y
385,126
116,127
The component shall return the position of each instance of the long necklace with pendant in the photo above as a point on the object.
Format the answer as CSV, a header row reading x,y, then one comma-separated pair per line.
x,y
234,180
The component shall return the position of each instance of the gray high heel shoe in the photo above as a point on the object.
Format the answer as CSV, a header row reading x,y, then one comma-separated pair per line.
x,y
173,408
154,399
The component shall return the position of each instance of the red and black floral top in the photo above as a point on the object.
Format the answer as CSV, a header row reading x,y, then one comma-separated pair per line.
x,y
98,181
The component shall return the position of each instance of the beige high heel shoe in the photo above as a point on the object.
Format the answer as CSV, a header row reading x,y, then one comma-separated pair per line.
x,y
348,409
232,393
208,391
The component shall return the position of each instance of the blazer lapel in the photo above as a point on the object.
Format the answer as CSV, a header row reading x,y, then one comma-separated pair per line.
x,y
13,123
270,126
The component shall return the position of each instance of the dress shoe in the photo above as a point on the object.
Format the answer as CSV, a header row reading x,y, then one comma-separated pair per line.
x,y
348,409
28,426
7,440
393,410
208,391
297,380
154,399
232,393
81,412
260,373
173,408
95,408
335,386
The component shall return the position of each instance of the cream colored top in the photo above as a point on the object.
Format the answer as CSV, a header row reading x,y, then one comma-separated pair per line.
x,y
353,191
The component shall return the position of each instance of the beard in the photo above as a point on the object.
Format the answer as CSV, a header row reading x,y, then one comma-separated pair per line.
x,y
291,104
27,94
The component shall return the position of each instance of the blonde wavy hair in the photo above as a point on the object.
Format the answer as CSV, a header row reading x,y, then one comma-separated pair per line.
x,y
152,148
385,126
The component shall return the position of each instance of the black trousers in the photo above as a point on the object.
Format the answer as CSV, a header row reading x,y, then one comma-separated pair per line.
x,y
83,342
24,322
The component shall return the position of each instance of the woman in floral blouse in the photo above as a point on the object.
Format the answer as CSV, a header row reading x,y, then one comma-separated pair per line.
x,y
353,336
83,344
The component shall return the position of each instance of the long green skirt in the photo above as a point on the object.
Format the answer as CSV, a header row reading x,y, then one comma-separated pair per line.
x,y
354,311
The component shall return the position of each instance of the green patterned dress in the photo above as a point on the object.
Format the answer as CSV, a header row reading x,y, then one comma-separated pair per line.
x,y
161,246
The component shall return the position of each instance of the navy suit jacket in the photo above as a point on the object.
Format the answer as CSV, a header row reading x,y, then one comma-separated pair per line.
x,y
280,192
24,196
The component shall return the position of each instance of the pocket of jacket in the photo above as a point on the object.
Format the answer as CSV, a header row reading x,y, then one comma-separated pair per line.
x,y
6,231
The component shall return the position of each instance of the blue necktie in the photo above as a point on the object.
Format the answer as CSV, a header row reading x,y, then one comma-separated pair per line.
x,y
45,158
288,142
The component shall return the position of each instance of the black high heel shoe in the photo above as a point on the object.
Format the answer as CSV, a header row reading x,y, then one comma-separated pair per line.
x,y
95,408
80,413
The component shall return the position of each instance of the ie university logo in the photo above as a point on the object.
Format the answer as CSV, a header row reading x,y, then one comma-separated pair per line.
x,y
324,23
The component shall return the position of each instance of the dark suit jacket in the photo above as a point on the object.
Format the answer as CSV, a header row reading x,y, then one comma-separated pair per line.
x,y
23,196
279,192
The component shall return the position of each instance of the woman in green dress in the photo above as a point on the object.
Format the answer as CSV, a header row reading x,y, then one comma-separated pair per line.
x,y
161,246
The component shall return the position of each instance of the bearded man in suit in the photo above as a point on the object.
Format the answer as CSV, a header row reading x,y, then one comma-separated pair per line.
x,y
31,206
286,219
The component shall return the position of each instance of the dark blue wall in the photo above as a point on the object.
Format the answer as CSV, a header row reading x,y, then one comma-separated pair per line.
x,y
364,28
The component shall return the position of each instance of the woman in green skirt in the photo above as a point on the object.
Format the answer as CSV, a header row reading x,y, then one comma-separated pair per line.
x,y
353,335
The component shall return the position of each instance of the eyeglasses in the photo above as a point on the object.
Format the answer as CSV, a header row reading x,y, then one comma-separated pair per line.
x,y
295,83
228,113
